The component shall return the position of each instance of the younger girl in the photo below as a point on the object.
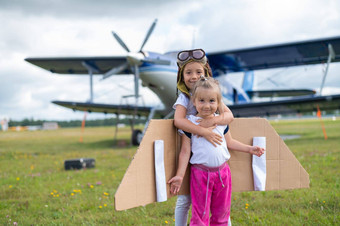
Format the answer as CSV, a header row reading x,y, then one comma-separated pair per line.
x,y
192,64
210,178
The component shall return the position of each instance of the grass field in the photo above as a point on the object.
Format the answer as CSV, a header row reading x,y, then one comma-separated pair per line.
x,y
36,190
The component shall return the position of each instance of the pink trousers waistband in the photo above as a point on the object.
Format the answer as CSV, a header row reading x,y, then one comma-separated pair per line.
x,y
209,169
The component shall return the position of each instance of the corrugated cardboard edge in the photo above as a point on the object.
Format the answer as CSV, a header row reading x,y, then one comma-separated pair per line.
x,y
138,185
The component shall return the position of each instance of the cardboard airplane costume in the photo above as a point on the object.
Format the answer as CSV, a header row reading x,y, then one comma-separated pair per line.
x,y
138,186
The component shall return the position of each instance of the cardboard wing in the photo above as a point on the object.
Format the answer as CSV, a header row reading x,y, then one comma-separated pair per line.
x,y
138,186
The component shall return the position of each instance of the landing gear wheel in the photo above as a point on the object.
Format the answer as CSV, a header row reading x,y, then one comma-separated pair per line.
x,y
137,136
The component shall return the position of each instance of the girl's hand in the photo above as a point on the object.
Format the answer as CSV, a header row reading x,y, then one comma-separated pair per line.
x,y
256,150
206,123
175,184
214,138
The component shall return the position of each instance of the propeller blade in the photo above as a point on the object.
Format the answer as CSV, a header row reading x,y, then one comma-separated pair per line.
x,y
148,34
136,83
115,70
120,41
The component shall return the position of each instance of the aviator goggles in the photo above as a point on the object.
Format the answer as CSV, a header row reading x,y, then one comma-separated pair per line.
x,y
195,54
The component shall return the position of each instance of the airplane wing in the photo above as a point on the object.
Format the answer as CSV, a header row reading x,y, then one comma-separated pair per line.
x,y
75,65
274,56
289,106
280,93
105,108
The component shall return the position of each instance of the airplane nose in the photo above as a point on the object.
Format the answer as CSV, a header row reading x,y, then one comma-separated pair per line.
x,y
135,58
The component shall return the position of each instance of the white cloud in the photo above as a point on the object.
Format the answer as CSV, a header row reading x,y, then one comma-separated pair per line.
x,y
54,28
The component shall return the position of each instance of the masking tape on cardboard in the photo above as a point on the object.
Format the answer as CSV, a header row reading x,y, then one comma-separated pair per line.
x,y
160,171
259,165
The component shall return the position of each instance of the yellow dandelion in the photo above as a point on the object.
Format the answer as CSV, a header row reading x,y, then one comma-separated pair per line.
x,y
52,193
105,193
91,186
32,167
105,205
247,204
173,220
166,222
324,201
57,195
10,186
72,194
55,191
18,178
100,207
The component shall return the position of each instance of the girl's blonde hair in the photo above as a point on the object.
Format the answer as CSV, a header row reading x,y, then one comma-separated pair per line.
x,y
208,83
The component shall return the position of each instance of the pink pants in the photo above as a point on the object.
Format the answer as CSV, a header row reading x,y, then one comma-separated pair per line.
x,y
210,190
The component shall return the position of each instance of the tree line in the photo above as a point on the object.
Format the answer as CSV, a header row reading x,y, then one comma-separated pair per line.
x,y
77,123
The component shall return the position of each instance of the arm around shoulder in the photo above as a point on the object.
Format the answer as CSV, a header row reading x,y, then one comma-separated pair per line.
x,y
184,124
181,122
227,116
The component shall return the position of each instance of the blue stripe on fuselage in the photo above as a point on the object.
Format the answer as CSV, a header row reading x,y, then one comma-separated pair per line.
x,y
150,67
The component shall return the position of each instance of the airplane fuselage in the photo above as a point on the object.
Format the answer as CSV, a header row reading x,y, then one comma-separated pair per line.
x,y
162,81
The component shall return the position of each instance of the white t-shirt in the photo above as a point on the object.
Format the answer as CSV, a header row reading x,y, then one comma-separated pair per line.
x,y
203,152
183,100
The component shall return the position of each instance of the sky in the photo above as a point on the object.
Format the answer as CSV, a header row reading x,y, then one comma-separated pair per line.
x,y
64,28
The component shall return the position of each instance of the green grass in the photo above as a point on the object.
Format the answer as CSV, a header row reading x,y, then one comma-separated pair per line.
x,y
36,190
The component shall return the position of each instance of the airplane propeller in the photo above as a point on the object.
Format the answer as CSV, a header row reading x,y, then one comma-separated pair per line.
x,y
120,41
148,34
115,70
134,60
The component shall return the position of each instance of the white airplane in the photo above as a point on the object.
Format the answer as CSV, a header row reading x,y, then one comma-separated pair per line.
x,y
158,72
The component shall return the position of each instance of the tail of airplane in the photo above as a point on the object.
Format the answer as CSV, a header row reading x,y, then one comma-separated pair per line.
x,y
248,81
234,93
241,95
